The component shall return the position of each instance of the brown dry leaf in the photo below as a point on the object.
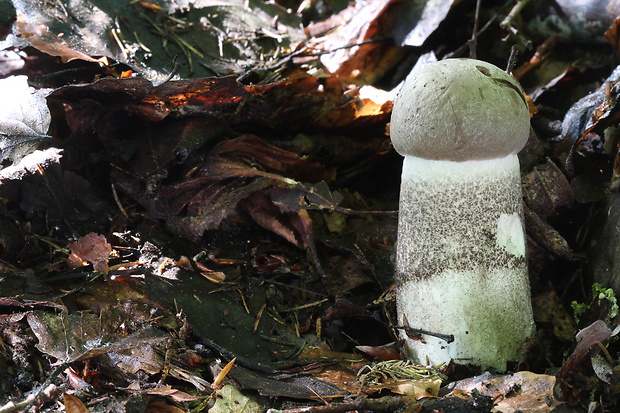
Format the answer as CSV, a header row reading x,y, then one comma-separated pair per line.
x,y
381,353
340,376
41,38
360,24
93,248
73,404
520,392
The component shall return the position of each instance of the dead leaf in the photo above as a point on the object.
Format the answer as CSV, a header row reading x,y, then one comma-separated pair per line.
x,y
28,304
369,36
93,248
145,39
174,394
301,101
547,191
76,337
295,227
585,123
33,163
248,155
548,237
575,378
73,404
232,400
24,119
157,407
520,392
237,172
612,35
104,299
298,386
549,309
381,353
217,381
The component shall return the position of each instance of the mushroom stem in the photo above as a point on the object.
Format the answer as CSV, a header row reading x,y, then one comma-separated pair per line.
x,y
461,266
460,261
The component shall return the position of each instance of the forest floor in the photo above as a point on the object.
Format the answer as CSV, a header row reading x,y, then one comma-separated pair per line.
x,y
202,213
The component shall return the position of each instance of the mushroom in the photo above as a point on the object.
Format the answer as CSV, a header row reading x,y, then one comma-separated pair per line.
x,y
460,261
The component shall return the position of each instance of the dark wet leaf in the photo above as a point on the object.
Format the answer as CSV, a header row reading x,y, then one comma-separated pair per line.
x,y
299,101
299,386
566,20
547,191
295,227
28,304
219,320
248,155
236,171
549,309
575,378
209,38
369,35
585,124
345,321
75,337
548,238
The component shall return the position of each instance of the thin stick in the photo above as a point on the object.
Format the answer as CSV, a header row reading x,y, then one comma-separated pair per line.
x,y
512,60
473,42
414,333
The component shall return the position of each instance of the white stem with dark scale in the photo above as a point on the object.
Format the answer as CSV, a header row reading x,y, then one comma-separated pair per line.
x,y
460,264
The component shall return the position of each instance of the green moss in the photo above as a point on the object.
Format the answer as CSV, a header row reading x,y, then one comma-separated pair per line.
x,y
599,293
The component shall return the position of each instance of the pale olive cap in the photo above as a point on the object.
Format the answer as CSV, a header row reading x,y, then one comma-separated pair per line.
x,y
460,110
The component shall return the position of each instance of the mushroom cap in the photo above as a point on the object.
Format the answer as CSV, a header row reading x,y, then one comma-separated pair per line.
x,y
460,110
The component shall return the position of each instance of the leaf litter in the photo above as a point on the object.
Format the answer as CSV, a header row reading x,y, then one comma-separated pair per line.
x,y
230,237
